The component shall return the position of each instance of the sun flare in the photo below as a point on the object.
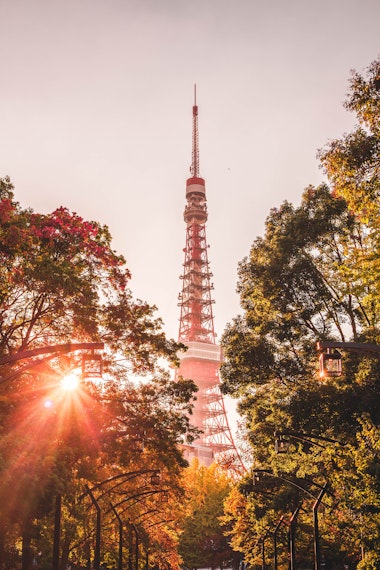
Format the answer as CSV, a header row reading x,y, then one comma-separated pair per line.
x,y
70,382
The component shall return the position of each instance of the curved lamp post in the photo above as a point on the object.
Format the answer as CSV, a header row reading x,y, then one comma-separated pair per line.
x,y
120,552
98,528
122,478
277,528
154,479
292,537
282,446
52,351
263,538
323,489
292,531
327,357
282,440
133,527
113,508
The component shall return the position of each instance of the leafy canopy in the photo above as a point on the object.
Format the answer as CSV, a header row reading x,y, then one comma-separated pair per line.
x,y
314,276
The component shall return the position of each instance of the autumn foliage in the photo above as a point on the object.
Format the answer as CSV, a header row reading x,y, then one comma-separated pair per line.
x,y
62,283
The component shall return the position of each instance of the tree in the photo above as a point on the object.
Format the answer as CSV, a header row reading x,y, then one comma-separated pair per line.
x,y
352,165
60,282
203,542
314,276
294,293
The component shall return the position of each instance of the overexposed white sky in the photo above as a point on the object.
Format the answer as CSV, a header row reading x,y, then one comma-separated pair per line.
x,y
96,112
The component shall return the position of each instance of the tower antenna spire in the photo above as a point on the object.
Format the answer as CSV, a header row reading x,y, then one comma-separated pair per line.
x,y
195,150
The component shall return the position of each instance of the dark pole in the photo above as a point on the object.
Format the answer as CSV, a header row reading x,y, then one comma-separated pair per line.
x,y
147,558
292,536
70,347
97,541
293,521
98,526
130,553
136,548
317,554
57,531
120,562
275,541
371,350
263,553
120,558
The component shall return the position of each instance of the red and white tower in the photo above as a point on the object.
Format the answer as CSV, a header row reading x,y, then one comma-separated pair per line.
x,y
202,360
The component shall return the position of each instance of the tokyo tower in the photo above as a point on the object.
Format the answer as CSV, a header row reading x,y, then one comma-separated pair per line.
x,y
202,359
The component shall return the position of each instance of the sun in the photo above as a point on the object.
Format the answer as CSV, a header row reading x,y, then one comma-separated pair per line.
x,y
70,382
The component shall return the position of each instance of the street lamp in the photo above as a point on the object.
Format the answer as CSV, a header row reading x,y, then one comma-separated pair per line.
x,y
121,478
330,363
141,523
323,489
282,446
155,478
277,528
92,365
133,527
52,351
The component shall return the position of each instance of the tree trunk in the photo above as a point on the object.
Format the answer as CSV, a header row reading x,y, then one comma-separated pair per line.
x,y
27,555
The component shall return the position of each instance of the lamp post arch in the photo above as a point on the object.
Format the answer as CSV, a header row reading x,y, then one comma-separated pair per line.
x,y
102,486
282,440
323,489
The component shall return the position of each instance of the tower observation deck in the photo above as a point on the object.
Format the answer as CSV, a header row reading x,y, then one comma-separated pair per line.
x,y
202,360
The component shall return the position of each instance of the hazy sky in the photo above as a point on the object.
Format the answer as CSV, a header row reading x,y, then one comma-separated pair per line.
x,y
96,109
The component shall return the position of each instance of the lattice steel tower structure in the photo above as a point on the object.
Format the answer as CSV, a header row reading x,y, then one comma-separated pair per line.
x,y
202,360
